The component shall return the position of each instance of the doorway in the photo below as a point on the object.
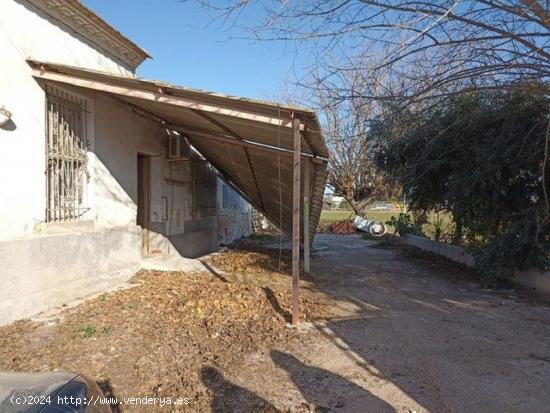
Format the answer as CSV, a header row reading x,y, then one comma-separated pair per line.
x,y
144,199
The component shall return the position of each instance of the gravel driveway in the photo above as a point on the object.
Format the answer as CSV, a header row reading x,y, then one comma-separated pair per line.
x,y
383,333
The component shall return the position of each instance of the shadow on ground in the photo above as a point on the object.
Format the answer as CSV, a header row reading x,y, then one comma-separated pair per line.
x,y
416,335
319,386
270,295
228,397
107,389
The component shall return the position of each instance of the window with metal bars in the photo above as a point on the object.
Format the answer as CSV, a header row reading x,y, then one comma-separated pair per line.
x,y
66,155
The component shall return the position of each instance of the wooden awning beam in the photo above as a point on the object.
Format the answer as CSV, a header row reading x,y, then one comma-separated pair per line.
x,y
42,72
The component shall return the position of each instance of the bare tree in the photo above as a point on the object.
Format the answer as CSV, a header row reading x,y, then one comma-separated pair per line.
x,y
424,50
428,49
352,172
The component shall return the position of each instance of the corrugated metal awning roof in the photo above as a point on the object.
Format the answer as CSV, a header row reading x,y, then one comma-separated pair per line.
x,y
249,141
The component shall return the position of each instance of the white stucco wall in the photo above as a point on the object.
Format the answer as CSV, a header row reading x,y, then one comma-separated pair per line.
x,y
37,36
119,136
45,265
22,199
53,264
234,214
43,273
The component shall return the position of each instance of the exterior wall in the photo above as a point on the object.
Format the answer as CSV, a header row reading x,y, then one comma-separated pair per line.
x,y
46,272
48,264
50,40
532,279
199,238
535,280
55,263
452,252
59,262
22,199
119,136
234,214
178,228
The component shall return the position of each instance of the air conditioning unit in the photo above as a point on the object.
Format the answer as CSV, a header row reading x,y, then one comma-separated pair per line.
x,y
178,148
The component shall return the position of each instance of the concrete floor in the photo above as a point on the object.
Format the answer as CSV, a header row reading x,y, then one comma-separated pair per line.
x,y
172,263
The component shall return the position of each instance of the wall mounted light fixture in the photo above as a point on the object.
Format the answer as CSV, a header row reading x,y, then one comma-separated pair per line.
x,y
5,116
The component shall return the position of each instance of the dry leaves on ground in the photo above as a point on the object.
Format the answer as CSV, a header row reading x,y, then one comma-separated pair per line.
x,y
157,338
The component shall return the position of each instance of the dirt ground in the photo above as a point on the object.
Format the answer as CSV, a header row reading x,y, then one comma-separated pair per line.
x,y
385,332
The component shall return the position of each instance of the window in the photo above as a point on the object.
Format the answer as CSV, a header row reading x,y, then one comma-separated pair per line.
x,y
204,187
66,155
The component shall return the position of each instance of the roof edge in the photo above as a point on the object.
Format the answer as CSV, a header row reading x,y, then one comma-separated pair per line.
x,y
266,113
88,24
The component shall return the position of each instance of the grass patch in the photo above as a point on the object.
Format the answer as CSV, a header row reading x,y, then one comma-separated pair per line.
x,y
330,217
86,330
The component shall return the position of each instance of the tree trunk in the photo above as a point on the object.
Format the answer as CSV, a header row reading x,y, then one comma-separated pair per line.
x,y
358,207
355,208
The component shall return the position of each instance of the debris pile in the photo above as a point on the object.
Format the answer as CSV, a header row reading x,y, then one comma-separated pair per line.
x,y
376,229
342,227
262,268
157,338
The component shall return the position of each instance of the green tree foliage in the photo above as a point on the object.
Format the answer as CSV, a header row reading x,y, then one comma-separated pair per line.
x,y
404,224
479,156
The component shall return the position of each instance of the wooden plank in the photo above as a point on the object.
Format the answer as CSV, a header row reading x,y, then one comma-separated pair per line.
x,y
296,223
306,216
46,74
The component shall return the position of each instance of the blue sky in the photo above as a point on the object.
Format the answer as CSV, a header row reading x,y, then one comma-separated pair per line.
x,y
187,51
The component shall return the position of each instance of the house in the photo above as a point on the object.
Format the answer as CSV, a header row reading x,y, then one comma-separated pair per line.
x,y
100,169
333,201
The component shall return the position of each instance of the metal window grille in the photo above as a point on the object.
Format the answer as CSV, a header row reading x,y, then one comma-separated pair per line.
x,y
66,147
